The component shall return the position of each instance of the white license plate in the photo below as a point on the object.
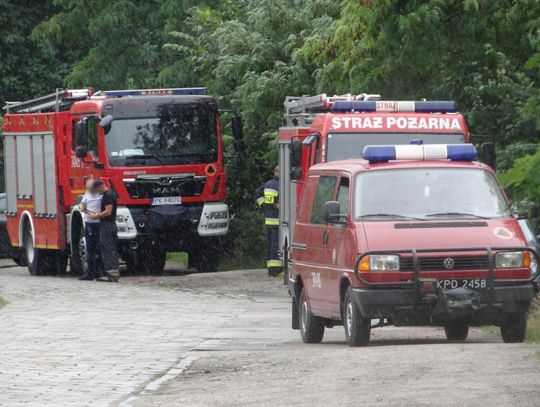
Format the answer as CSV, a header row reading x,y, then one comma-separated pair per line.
x,y
167,200
462,282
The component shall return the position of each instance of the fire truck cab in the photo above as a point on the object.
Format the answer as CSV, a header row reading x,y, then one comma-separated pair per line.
x,y
159,150
408,235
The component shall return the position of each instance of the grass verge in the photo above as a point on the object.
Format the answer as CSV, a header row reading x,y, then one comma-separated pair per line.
x,y
225,265
2,302
533,324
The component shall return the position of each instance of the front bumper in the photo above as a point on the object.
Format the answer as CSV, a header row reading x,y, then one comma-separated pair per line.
x,y
404,307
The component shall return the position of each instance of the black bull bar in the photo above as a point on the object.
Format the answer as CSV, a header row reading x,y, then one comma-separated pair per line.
x,y
416,280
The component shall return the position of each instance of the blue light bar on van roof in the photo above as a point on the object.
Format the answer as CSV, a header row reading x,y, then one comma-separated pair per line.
x,y
155,92
454,152
342,106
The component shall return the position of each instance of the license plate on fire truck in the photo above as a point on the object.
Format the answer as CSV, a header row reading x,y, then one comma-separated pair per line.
x,y
462,282
167,200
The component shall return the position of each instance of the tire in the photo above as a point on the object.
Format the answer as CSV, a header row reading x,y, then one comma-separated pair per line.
x,y
456,330
19,258
311,327
37,260
145,261
357,328
206,262
514,327
77,262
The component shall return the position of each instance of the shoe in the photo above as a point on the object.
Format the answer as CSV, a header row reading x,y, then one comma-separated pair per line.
x,y
103,278
86,278
113,275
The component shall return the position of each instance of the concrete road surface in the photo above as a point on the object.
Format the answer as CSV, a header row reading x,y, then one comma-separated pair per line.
x,y
224,340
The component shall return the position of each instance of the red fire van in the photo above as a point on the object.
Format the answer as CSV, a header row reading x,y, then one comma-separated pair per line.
x,y
409,235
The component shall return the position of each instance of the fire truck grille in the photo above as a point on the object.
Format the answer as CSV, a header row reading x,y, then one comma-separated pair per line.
x,y
153,189
446,263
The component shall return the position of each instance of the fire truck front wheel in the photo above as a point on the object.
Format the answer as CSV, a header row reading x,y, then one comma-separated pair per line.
x,y
357,328
311,327
39,262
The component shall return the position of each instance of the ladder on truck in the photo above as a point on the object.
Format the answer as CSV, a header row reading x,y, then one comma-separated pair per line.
x,y
300,110
59,101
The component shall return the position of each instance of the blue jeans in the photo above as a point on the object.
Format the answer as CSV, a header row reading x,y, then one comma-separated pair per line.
x,y
93,252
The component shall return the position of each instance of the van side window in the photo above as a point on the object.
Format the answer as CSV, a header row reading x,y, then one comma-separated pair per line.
x,y
325,191
343,196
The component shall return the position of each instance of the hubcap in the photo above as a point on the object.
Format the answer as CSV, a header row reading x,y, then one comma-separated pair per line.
x,y
304,315
29,249
349,318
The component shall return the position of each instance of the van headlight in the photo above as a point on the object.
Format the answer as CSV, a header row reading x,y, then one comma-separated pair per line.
x,y
379,262
512,260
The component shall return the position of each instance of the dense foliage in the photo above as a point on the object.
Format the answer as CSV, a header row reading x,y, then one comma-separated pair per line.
x,y
251,54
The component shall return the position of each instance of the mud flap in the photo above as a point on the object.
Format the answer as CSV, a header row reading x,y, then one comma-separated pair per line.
x,y
458,302
294,313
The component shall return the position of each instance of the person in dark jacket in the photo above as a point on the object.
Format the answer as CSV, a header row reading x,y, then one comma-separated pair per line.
x,y
267,196
108,232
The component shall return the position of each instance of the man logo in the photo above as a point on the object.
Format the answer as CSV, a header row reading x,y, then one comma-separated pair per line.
x,y
449,263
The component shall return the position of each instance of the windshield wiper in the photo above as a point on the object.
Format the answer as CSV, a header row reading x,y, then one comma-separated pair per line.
x,y
143,156
388,215
472,215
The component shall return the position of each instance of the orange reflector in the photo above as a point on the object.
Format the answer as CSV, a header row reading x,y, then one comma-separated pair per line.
x,y
527,259
364,264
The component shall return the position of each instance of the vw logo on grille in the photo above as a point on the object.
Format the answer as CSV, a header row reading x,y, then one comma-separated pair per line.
x,y
449,263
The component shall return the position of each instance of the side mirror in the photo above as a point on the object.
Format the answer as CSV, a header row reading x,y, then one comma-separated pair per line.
x,y
332,212
238,133
296,173
296,153
81,152
489,154
525,210
105,123
81,133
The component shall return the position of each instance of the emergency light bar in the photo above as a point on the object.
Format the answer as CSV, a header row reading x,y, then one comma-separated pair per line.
x,y
454,152
155,92
341,106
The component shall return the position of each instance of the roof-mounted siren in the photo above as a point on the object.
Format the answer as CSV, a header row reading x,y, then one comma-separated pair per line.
x,y
395,106
154,92
453,152
61,100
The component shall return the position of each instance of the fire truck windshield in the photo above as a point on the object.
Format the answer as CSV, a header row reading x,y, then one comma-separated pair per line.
x,y
428,193
179,134
344,146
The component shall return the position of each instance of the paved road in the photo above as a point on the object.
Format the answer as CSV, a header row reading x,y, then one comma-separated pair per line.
x,y
224,340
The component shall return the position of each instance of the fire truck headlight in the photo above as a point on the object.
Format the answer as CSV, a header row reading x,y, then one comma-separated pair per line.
x,y
379,262
512,260
121,219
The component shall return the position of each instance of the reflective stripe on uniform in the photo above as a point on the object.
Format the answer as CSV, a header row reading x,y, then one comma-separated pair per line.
x,y
274,263
271,221
260,200
270,195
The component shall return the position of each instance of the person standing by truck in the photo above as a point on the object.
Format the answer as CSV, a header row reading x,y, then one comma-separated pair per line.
x,y
108,232
91,203
267,196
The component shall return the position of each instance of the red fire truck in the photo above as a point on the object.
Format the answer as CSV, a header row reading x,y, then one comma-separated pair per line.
x,y
320,129
159,150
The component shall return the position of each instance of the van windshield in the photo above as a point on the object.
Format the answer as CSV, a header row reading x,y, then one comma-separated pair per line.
x,y
428,193
344,146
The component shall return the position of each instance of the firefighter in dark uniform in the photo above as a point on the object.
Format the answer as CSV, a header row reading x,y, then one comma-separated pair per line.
x,y
267,196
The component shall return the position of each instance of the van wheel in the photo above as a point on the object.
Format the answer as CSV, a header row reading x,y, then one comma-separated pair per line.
x,y
311,327
457,330
204,261
514,327
357,328
152,261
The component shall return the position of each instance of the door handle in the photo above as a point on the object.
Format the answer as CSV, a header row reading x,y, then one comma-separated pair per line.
x,y
325,237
